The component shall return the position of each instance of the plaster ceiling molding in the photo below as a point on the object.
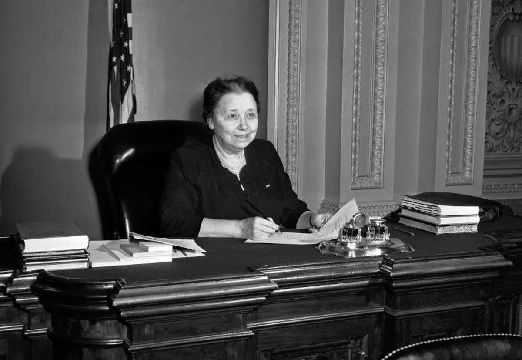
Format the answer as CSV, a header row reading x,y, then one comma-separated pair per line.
x,y
463,176
374,178
293,90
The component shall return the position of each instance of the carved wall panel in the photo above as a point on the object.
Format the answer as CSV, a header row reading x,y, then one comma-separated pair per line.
x,y
365,91
374,119
503,133
461,93
504,99
293,90
356,104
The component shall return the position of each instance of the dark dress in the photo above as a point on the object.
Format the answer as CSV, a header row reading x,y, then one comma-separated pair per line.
x,y
197,186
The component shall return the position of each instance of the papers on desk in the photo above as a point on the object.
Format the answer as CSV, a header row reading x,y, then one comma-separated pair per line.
x,y
187,244
124,252
329,231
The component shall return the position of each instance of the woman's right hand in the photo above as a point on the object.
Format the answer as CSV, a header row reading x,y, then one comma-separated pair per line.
x,y
257,228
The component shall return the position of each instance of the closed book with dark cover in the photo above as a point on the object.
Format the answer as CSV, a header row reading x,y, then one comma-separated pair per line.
x,y
440,219
440,203
438,229
37,260
54,265
56,255
449,203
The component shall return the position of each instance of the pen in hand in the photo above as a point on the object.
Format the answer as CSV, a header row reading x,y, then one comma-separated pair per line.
x,y
279,227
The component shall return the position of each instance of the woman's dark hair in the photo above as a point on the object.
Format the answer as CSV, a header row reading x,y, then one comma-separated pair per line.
x,y
222,86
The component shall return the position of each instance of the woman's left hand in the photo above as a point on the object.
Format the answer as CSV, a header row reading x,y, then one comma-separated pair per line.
x,y
317,220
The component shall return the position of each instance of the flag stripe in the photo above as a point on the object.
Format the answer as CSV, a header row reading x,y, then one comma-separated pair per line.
x,y
121,93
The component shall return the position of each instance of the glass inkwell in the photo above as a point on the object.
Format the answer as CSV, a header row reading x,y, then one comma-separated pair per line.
x,y
363,236
351,234
377,232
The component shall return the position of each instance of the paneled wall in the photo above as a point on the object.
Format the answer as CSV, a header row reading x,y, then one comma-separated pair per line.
x,y
375,99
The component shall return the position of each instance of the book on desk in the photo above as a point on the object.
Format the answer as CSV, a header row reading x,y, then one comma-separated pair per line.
x,y
441,212
103,253
441,204
51,245
439,229
38,236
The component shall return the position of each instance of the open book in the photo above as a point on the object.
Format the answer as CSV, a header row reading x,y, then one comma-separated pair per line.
x,y
328,232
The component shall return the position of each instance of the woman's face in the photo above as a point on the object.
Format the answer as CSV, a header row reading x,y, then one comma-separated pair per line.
x,y
234,121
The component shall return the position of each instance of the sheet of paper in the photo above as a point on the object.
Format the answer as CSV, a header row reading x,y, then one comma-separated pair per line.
x,y
329,231
189,244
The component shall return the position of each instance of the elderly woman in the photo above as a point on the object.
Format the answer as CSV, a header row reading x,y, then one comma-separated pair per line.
x,y
232,185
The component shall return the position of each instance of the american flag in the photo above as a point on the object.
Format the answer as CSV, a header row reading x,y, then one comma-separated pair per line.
x,y
122,99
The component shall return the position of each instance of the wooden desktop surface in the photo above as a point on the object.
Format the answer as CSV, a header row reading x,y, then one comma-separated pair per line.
x,y
234,256
263,301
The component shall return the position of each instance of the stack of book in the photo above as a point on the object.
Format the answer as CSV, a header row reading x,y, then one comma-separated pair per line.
x,y
440,212
140,249
51,245
124,252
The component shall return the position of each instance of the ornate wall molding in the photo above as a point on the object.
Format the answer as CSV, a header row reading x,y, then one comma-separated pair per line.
x,y
504,95
293,91
502,188
374,208
465,175
378,208
375,177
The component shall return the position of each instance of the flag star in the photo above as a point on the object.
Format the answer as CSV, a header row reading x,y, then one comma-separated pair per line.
x,y
125,44
121,33
114,59
124,82
115,5
122,57
129,68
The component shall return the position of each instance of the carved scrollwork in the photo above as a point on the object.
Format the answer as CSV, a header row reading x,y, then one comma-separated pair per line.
x,y
380,208
465,176
501,188
375,177
292,114
504,96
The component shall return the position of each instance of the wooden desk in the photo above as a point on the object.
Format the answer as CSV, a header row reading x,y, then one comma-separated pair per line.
x,y
258,301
